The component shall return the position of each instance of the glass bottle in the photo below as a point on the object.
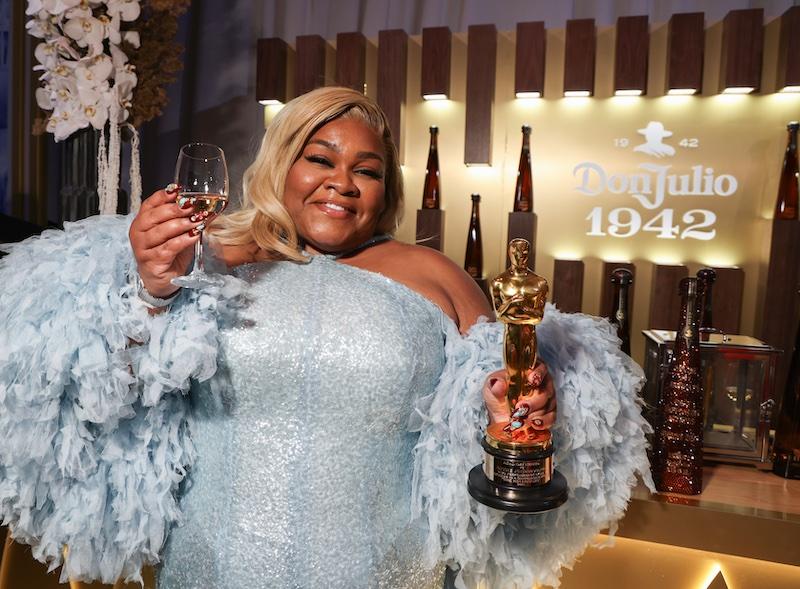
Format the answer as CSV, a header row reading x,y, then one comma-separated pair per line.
x,y
473,260
787,205
621,278
706,278
523,193
678,442
431,192
786,459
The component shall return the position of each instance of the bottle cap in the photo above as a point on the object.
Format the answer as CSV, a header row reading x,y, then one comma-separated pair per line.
x,y
434,129
476,198
793,125
621,276
526,128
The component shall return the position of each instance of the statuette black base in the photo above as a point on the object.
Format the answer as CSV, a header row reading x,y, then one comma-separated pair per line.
x,y
517,499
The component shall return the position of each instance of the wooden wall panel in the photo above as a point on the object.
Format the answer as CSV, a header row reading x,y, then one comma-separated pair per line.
x,y
789,49
742,49
481,68
530,58
436,50
351,60
607,289
665,302
309,63
271,67
392,72
579,55
430,228
685,50
726,303
568,285
631,54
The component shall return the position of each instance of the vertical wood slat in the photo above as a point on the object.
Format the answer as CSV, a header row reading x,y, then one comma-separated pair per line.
x,y
607,289
392,72
523,225
780,304
529,64
436,52
430,228
568,285
665,302
726,303
579,55
351,60
742,48
789,49
685,48
309,63
481,67
271,64
631,54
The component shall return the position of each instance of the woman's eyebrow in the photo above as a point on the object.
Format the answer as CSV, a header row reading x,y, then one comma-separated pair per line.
x,y
363,155
366,155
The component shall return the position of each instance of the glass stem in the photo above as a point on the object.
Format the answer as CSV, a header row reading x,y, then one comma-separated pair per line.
x,y
199,266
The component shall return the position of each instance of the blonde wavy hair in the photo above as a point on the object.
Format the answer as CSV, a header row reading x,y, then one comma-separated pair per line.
x,y
263,218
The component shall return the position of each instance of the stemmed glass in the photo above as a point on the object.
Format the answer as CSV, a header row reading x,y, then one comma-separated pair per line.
x,y
202,178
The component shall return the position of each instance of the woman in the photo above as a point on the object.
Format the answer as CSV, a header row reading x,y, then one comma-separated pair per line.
x,y
330,444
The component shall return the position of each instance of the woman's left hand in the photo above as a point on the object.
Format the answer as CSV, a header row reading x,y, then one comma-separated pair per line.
x,y
539,408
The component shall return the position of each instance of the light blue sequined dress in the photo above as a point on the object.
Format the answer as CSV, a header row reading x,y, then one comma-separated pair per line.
x,y
303,476
301,426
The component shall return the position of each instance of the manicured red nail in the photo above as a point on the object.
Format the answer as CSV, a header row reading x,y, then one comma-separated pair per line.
x,y
171,188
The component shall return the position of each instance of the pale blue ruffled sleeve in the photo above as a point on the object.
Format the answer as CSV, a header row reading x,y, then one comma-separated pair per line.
x,y
92,415
600,448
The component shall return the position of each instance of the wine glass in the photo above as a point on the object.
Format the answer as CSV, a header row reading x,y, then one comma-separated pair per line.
x,y
202,178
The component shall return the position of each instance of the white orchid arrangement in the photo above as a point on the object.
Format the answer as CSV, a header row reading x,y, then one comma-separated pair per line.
x,y
86,77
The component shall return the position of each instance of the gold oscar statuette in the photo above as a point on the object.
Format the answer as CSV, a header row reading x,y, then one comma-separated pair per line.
x,y
517,471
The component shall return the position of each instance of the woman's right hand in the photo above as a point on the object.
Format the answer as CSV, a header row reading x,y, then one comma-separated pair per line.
x,y
162,237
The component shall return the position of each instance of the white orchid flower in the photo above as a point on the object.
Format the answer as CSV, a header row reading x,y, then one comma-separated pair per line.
x,y
86,31
125,81
92,71
51,6
95,103
132,37
47,55
127,10
118,57
42,28
68,116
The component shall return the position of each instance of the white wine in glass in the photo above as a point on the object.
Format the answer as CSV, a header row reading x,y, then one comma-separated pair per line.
x,y
202,178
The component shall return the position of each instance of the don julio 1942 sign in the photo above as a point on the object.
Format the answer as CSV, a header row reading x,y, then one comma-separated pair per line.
x,y
655,187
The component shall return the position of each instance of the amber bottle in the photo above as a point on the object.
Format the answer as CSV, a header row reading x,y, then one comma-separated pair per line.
x,y
523,193
786,459
473,260
678,442
622,279
431,192
787,205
